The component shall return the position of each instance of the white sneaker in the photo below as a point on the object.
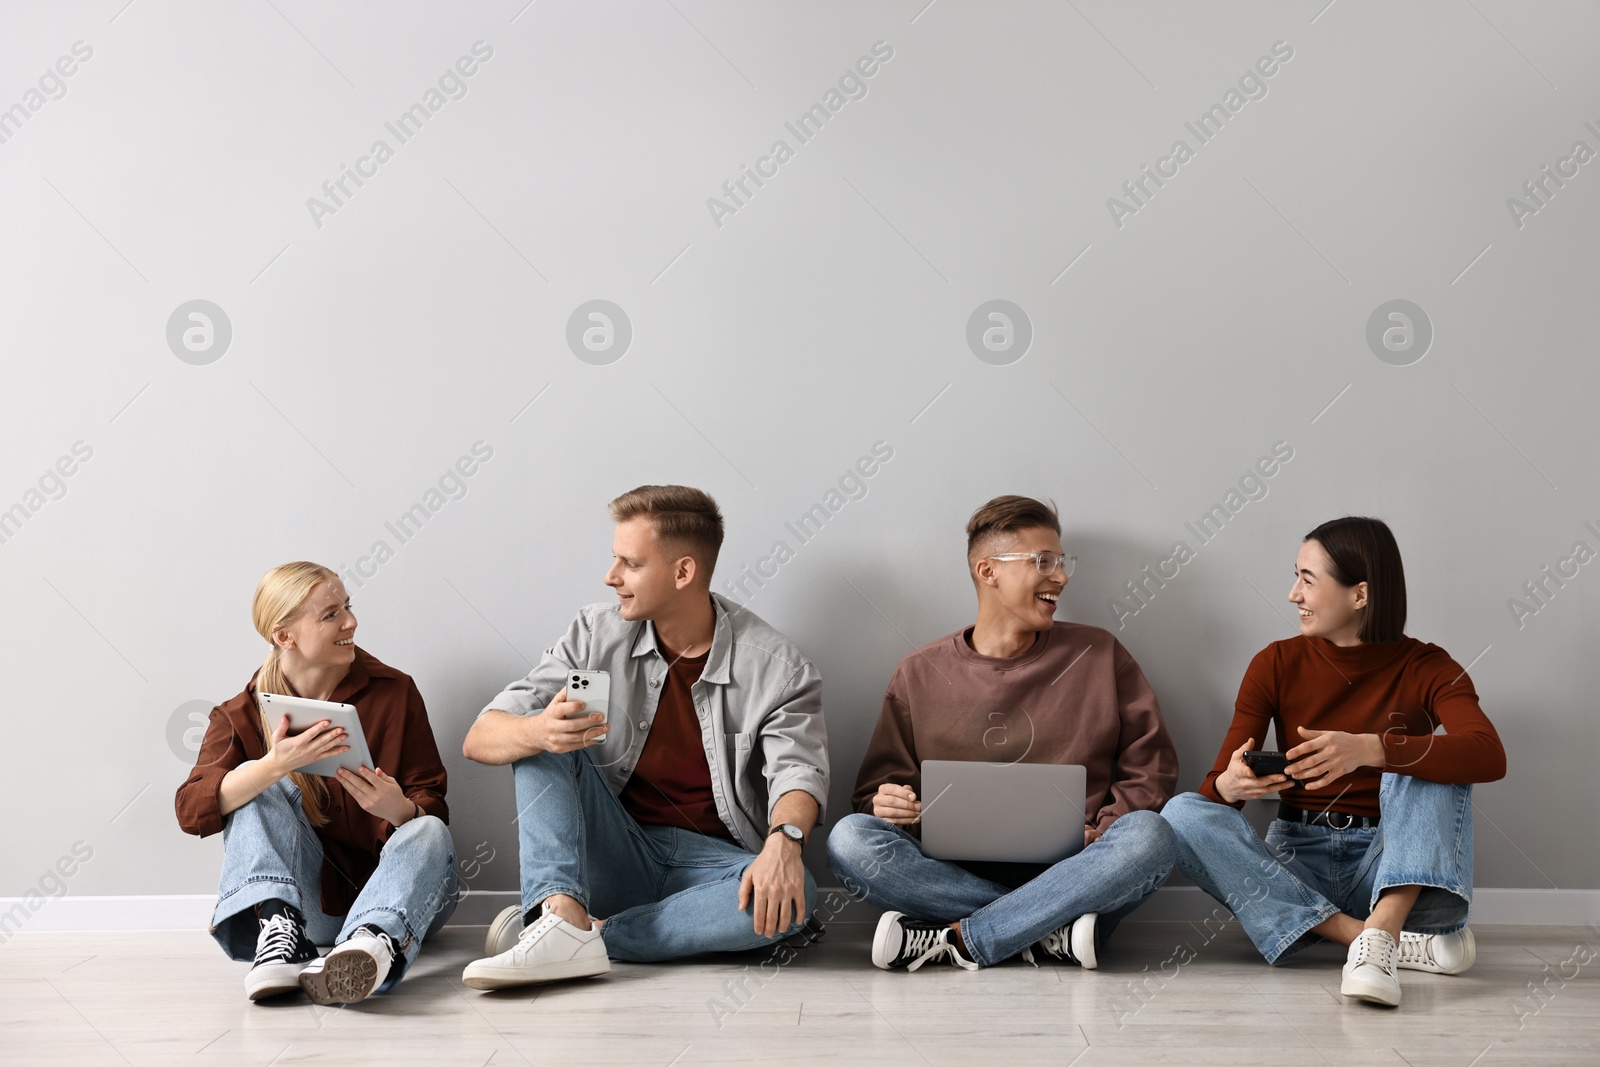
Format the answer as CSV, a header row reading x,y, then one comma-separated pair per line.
x,y
503,931
1439,953
903,943
1369,969
545,951
351,971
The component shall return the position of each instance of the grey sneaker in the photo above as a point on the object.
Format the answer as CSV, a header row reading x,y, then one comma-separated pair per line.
x,y
503,931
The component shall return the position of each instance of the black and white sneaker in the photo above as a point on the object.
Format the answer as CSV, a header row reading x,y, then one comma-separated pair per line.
x,y
282,952
1072,943
903,943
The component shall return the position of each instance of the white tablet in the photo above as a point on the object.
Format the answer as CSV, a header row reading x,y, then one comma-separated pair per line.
x,y
304,714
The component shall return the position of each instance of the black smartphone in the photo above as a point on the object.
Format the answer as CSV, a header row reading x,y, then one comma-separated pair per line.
x,y
1264,764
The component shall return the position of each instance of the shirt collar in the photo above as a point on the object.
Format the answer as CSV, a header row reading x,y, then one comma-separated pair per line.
x,y
718,657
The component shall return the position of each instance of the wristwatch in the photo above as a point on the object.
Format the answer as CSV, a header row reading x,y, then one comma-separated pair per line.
x,y
791,831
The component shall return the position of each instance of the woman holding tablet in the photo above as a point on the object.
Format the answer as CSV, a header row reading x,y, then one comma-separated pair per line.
x,y
363,861
1372,846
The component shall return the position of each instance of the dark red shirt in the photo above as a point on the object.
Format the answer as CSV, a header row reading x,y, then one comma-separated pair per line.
x,y
671,783
399,737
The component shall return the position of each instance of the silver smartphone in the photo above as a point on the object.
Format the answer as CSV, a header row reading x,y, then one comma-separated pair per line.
x,y
594,689
304,714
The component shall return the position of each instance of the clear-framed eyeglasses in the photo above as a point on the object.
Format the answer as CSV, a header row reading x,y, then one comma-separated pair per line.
x,y
1047,562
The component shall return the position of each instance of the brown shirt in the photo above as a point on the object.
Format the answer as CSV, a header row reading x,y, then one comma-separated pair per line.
x,y
1400,691
671,783
1076,696
395,723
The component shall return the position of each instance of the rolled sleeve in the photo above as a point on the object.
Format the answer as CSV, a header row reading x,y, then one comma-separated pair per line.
x,y
794,740
534,692
198,801
422,776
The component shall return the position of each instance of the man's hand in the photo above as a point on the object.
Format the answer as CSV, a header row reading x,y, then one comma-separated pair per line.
x,y
553,731
774,887
378,794
1329,755
897,804
1238,782
1090,835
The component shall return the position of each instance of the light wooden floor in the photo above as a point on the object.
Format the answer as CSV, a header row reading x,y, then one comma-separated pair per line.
x,y
173,999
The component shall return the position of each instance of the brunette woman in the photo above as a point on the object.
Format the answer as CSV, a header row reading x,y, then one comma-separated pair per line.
x,y
1372,846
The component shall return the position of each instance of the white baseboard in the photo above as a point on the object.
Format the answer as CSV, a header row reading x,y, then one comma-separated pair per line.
x,y
1513,907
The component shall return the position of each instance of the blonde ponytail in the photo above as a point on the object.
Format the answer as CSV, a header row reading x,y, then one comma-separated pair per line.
x,y
279,594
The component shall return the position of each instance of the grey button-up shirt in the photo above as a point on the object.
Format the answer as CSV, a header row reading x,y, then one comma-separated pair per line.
x,y
759,701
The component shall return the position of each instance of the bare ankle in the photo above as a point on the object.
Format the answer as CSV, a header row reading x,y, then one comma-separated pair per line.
x,y
568,909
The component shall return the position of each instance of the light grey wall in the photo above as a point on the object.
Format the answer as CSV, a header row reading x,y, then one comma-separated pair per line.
x,y
772,346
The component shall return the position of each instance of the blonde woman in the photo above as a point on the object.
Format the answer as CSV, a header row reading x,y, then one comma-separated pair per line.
x,y
363,861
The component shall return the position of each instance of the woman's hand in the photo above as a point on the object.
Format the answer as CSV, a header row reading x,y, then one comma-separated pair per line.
x,y
378,794
1238,782
897,804
290,753
1329,755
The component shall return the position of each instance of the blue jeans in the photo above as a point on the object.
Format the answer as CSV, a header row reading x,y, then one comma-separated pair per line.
x,y
271,852
1003,909
664,893
1300,875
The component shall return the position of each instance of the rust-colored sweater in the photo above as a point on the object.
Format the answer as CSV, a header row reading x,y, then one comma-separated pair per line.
x,y
1400,691
1076,696
399,738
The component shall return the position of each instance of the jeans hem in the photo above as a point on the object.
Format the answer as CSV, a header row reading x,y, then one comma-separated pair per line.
x,y
540,895
1290,944
253,891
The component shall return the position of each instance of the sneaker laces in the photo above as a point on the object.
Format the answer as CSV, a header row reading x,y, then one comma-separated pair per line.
x,y
279,939
1057,944
1417,949
1377,950
931,943
383,937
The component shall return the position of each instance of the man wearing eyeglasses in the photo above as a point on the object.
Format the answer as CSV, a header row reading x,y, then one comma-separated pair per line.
x,y
1016,686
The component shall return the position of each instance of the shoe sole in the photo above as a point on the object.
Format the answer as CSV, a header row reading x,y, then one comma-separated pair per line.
x,y
1085,953
880,946
345,978
505,977
274,980
1370,993
505,928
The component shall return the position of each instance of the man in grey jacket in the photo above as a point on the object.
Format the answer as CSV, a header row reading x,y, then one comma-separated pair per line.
x,y
673,826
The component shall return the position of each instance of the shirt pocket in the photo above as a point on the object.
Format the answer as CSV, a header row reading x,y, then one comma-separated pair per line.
x,y
739,750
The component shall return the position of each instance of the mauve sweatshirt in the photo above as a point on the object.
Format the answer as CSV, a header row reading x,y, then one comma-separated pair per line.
x,y
1076,696
1401,691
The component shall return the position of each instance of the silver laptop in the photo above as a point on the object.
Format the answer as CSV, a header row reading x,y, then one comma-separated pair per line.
x,y
1007,812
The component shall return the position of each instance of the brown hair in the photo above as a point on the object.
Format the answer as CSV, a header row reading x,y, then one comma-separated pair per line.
x,y
1359,550
278,597
1004,515
686,520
